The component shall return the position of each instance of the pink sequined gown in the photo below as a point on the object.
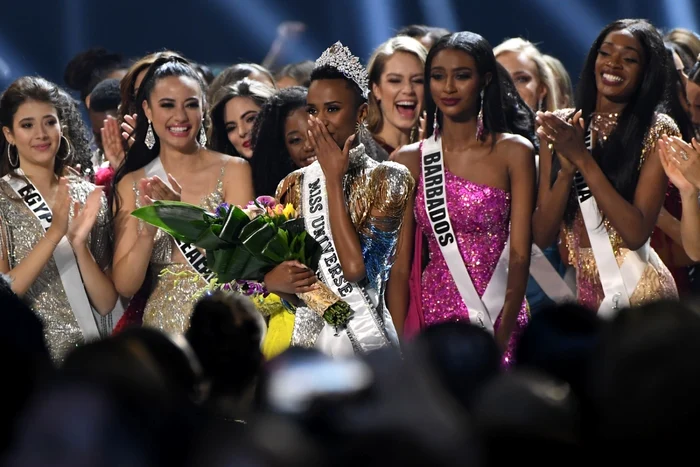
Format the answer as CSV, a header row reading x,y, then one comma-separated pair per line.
x,y
480,217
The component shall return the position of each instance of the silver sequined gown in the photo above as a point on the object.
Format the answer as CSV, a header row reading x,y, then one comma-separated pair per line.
x,y
21,231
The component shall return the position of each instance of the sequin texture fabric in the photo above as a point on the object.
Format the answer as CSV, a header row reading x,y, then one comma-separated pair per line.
x,y
21,231
376,195
480,217
169,305
656,281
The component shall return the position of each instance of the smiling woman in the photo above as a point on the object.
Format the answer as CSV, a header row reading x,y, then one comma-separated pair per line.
x,y
168,161
604,170
233,114
397,88
54,239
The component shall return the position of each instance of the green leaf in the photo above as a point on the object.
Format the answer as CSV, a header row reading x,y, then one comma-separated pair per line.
x,y
257,241
277,249
236,221
183,221
294,226
210,241
252,227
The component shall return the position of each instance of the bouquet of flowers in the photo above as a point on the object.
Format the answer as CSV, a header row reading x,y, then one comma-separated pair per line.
x,y
244,244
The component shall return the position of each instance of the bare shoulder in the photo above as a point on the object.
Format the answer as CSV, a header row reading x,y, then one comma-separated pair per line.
x,y
128,181
511,145
408,156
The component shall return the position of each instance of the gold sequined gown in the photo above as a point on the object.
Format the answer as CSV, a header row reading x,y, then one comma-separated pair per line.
x,y
21,231
656,282
174,285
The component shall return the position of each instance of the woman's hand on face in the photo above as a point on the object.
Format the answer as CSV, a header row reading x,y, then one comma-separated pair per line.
x,y
334,161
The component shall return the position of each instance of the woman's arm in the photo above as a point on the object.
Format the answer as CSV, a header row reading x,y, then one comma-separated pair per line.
x,y
690,224
521,170
551,199
397,291
132,246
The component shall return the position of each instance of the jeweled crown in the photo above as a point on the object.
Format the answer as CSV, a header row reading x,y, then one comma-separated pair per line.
x,y
339,57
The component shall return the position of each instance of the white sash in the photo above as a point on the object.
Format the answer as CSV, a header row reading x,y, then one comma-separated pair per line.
x,y
63,256
194,257
483,311
366,330
618,282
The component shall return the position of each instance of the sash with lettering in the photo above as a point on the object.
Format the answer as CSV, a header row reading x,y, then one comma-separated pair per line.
x,y
194,257
618,282
367,329
63,256
484,310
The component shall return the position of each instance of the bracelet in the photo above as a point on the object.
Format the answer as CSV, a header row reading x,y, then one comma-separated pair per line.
x,y
51,241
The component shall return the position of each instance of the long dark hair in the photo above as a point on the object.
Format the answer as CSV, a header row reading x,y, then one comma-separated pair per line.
x,y
218,136
503,111
40,90
271,161
139,155
619,157
76,131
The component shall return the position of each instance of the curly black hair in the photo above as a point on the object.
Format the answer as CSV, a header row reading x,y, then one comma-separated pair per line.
x,y
271,161
77,133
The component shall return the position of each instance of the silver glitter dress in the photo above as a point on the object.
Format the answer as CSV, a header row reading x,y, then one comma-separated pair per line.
x,y
21,231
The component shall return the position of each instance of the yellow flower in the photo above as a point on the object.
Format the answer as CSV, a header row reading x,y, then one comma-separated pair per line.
x,y
289,211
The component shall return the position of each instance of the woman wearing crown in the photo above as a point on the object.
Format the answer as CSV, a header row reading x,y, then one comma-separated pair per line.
x,y
352,205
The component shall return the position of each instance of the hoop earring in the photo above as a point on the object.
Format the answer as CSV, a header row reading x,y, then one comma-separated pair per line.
x,y
69,151
15,164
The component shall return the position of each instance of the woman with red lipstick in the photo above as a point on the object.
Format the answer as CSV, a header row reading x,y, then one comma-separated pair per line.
x,y
169,161
475,173
396,99
233,115
54,230
607,184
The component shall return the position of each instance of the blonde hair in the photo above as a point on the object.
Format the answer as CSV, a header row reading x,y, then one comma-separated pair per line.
x,y
563,80
376,66
518,45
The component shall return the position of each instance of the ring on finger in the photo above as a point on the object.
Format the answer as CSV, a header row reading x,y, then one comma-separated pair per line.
x,y
684,155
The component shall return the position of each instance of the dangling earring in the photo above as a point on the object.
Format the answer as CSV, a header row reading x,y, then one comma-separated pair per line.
x,y
9,156
480,118
540,104
150,139
202,137
362,131
412,138
436,125
69,149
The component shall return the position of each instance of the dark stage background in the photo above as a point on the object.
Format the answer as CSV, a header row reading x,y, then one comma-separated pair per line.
x,y
40,36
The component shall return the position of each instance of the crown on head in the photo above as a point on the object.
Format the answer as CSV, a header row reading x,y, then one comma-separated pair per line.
x,y
339,57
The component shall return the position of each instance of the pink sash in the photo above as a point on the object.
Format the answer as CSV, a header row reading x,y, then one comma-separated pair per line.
x,y
414,319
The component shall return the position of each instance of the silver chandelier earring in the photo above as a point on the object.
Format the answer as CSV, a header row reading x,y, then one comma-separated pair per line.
x,y
202,137
150,139
14,164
